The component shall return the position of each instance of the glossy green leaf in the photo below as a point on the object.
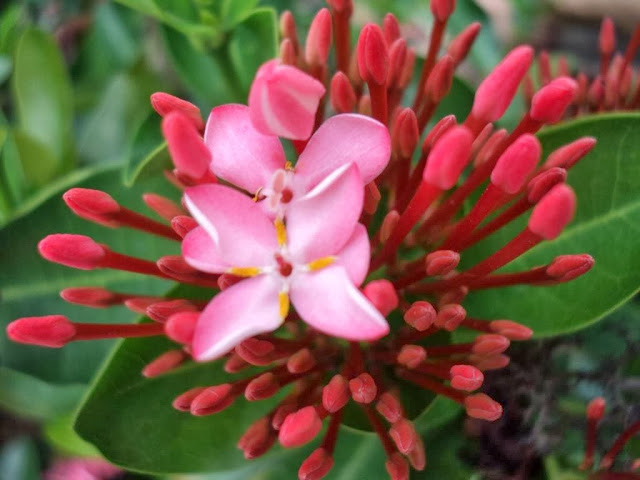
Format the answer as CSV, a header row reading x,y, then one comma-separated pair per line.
x,y
19,460
148,152
60,434
38,162
33,398
606,226
29,285
253,42
235,11
43,96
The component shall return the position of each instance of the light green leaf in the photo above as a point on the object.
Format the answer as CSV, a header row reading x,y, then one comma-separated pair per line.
x,y
60,434
43,97
19,460
148,152
235,11
37,160
606,226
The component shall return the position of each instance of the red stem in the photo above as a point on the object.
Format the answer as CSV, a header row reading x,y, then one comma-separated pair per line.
x,y
94,331
430,61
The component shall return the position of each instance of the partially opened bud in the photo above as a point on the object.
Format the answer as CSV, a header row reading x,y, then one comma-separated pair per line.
x,y
466,377
490,344
421,315
164,104
483,407
212,400
553,212
264,386
404,435
52,331
540,185
363,388
76,251
450,317
568,267
283,101
389,407
257,440
441,262
189,153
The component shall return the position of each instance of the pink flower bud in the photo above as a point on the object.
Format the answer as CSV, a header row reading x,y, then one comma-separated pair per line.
x,y
161,311
388,224
543,182
390,28
316,466
497,90
511,330
551,101
164,104
162,206
461,44
418,456
442,9
440,79
516,164
450,316
568,155
182,224
183,401
466,377
405,76
189,153
319,39
262,387
281,413
490,147
363,388
448,158
397,467
164,363
372,55
553,212
76,251
404,435
300,427
397,59
607,36
405,133
212,400
283,101
95,297
92,205
389,407
301,361
421,315
52,331
258,438
343,98
341,6
411,356
490,362
287,52
568,267
382,294
490,344
335,394
181,326
596,408
483,407
441,262
439,129
235,364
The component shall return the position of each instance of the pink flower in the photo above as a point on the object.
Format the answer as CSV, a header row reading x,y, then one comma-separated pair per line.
x,y
81,469
256,162
283,101
314,262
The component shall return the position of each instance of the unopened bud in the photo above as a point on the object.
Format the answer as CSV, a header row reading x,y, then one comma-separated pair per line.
x,y
212,400
405,133
540,185
421,315
568,155
382,294
343,97
335,394
411,355
319,39
448,158
404,435
553,212
164,363
164,104
300,427
466,377
568,267
516,164
53,331
440,79
76,251
363,388
551,101
316,466
490,344
441,262
450,317
483,407
372,55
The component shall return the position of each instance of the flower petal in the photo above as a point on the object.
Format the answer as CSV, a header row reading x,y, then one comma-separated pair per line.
x,y
241,154
355,255
243,310
283,101
344,139
330,303
320,223
200,251
243,234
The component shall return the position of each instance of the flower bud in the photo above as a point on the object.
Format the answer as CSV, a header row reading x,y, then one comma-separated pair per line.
x,y
52,331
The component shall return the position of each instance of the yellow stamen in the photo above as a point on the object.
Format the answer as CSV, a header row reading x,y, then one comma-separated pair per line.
x,y
284,305
320,263
258,195
244,271
281,232
288,166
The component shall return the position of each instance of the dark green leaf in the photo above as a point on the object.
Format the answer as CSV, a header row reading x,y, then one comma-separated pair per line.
x,y
43,96
29,285
60,434
148,152
607,183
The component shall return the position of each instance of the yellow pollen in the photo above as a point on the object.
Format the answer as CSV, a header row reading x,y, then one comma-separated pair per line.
x,y
258,195
281,232
284,305
244,271
320,263
288,166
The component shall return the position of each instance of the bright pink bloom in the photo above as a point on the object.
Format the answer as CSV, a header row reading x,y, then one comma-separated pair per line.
x,y
314,262
81,469
256,162
283,101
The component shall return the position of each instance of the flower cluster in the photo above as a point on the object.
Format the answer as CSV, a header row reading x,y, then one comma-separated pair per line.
x,y
287,245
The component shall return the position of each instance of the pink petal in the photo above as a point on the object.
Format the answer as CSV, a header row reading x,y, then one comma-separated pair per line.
x,y
355,255
241,154
329,302
344,139
243,310
243,234
283,101
200,251
320,223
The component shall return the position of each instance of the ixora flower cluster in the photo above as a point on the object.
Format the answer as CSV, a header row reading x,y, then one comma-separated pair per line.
x,y
287,247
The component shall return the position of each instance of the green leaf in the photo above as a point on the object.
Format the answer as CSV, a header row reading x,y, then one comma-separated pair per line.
x,y
13,177
6,65
33,398
235,11
39,163
59,433
606,226
148,152
19,460
30,285
458,102
43,96
253,42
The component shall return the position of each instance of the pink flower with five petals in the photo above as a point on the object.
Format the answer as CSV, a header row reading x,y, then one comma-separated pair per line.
x,y
315,262
256,162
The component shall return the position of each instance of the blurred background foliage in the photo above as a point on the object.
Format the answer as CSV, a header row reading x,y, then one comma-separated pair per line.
x,y
75,80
